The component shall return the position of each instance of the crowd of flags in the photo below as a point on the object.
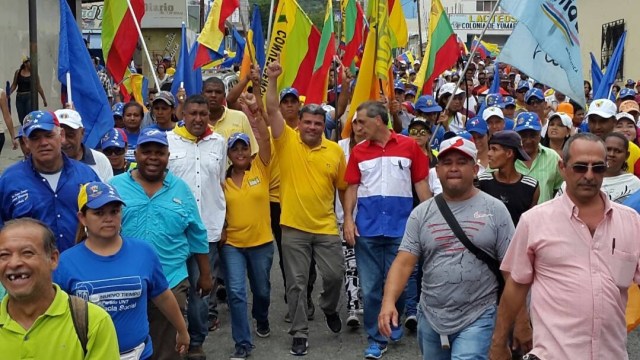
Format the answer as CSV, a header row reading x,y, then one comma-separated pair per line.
x,y
544,44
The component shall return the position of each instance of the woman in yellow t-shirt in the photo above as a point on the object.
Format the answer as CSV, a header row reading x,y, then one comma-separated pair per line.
x,y
248,248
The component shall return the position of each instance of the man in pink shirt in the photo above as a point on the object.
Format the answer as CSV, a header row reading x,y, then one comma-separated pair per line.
x,y
578,254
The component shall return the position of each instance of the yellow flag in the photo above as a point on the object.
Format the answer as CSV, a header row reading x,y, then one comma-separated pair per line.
x,y
398,24
380,22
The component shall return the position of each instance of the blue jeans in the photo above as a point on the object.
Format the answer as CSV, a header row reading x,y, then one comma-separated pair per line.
x,y
471,343
374,257
198,307
239,263
413,290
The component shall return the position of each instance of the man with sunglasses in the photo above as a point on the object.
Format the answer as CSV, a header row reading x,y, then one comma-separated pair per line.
x,y
536,104
543,162
521,90
577,254
114,147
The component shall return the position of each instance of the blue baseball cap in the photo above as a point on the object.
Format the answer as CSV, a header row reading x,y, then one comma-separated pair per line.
x,y
149,135
627,93
118,109
95,195
39,120
533,93
427,104
410,92
509,124
477,125
494,100
114,138
463,134
289,91
398,86
527,121
508,101
233,139
523,85
20,133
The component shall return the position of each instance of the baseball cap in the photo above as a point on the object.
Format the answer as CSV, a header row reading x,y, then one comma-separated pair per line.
x,y
481,63
627,93
427,104
165,96
95,195
492,111
233,139
463,134
39,120
421,121
625,116
630,82
398,86
118,109
289,91
69,117
114,138
523,85
493,100
458,143
564,118
448,89
410,92
629,106
510,138
527,121
508,101
533,93
602,107
149,135
416,61
477,125
411,72
566,108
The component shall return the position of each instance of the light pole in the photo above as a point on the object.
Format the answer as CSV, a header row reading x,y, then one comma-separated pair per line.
x,y
33,54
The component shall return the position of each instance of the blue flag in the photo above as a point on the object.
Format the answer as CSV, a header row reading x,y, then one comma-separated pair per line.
x,y
596,73
603,91
89,98
494,89
240,44
258,36
545,44
185,73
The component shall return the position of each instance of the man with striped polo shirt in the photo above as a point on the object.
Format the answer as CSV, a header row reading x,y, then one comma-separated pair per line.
x,y
380,174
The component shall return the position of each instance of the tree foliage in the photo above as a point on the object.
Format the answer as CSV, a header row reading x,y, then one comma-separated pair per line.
x,y
314,8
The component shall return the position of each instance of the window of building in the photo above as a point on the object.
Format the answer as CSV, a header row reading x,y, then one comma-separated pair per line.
x,y
611,33
485,5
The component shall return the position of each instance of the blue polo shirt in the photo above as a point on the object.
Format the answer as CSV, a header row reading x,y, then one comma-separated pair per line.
x,y
169,220
25,193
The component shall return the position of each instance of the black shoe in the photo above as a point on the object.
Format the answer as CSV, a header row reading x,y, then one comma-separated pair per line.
x,y
334,323
221,293
262,329
299,346
311,309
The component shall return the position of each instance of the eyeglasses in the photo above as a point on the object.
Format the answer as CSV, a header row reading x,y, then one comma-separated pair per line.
x,y
584,168
416,132
113,151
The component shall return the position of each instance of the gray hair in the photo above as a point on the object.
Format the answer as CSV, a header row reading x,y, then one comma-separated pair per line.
x,y
374,109
48,238
579,136
313,109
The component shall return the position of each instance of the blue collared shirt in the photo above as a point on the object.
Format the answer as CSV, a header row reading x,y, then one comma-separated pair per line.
x,y
25,193
169,220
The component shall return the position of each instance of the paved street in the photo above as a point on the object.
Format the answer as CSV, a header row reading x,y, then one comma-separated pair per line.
x,y
323,344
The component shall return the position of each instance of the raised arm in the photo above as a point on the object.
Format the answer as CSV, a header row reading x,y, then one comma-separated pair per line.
x,y
259,126
273,105
234,94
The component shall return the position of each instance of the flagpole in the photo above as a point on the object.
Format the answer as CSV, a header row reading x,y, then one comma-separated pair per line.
x,y
464,72
335,74
144,46
69,99
270,22
420,31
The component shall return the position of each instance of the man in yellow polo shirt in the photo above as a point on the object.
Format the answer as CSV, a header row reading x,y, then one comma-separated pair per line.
x,y
223,120
311,169
35,317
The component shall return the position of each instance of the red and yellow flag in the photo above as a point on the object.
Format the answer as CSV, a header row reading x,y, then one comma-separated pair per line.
x,y
119,35
212,35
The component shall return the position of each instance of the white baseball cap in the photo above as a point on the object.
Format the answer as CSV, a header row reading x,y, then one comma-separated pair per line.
x,y
564,118
448,89
625,116
492,111
69,117
602,107
461,144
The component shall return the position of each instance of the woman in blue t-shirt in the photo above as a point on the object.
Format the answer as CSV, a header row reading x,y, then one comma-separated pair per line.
x,y
120,275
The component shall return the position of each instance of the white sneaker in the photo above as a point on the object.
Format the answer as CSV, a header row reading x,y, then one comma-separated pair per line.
x,y
353,321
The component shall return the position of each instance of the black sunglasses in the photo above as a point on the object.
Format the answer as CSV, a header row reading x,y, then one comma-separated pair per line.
x,y
584,168
113,151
